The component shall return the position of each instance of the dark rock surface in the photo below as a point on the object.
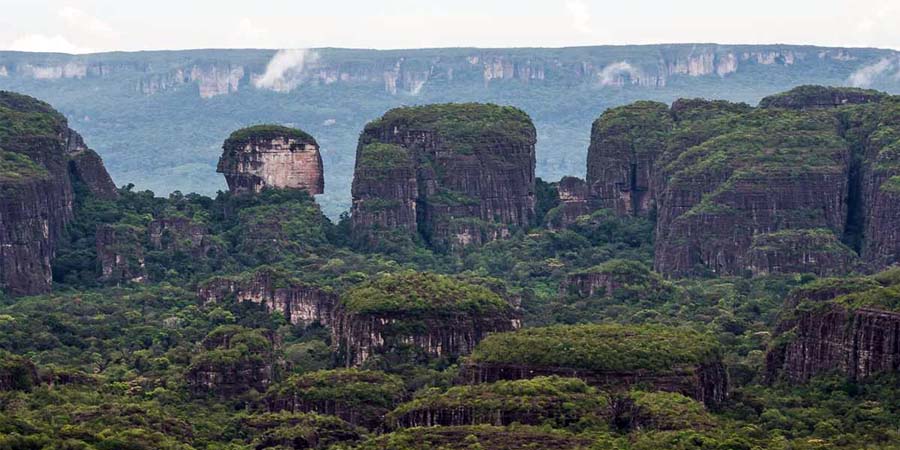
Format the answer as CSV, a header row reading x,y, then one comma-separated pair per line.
x,y
574,202
38,150
474,173
845,326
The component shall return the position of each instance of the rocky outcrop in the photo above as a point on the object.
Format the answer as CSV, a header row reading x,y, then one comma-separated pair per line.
x,y
37,196
231,361
419,316
85,166
797,185
181,234
625,143
474,173
300,303
800,251
844,326
625,280
120,252
606,356
271,156
574,202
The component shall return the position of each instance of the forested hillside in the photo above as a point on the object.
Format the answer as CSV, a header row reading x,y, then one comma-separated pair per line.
x,y
466,303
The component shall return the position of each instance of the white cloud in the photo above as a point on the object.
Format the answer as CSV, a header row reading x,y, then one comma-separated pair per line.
x,y
248,32
85,23
581,15
611,75
285,70
44,43
866,75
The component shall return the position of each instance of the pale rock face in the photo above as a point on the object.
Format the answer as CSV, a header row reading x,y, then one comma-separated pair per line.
x,y
280,163
70,70
217,80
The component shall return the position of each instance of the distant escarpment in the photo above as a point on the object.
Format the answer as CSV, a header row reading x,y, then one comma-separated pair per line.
x,y
800,184
272,156
419,316
301,304
626,280
610,356
453,174
38,152
849,326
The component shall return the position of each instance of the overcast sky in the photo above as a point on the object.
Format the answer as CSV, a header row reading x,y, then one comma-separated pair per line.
x,y
81,26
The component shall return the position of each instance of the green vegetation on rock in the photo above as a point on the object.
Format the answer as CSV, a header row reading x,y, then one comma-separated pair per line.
x,y
599,347
422,293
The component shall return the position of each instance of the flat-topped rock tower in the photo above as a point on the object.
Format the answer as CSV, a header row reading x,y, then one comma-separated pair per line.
x,y
271,156
456,174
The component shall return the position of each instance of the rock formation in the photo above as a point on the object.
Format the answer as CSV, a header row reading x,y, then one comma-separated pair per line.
x,y
849,326
626,280
574,202
801,184
417,315
459,174
37,152
625,143
613,357
181,234
271,156
232,360
120,252
300,303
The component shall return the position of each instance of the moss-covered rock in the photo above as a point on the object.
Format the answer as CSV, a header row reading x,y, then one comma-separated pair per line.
x,y
451,174
617,356
419,315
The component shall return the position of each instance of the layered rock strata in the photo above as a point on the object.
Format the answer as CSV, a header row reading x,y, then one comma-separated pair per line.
x,y
301,304
417,315
454,174
271,156
609,356
845,326
37,152
801,184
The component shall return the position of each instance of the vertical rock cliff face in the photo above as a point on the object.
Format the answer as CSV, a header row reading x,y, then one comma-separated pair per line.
x,y
625,143
270,156
879,186
301,304
37,150
629,281
120,252
846,326
474,173
86,167
800,184
385,190
574,202
417,315
608,356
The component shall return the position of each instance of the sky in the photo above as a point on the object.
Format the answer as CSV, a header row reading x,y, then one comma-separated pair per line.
x,y
86,26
